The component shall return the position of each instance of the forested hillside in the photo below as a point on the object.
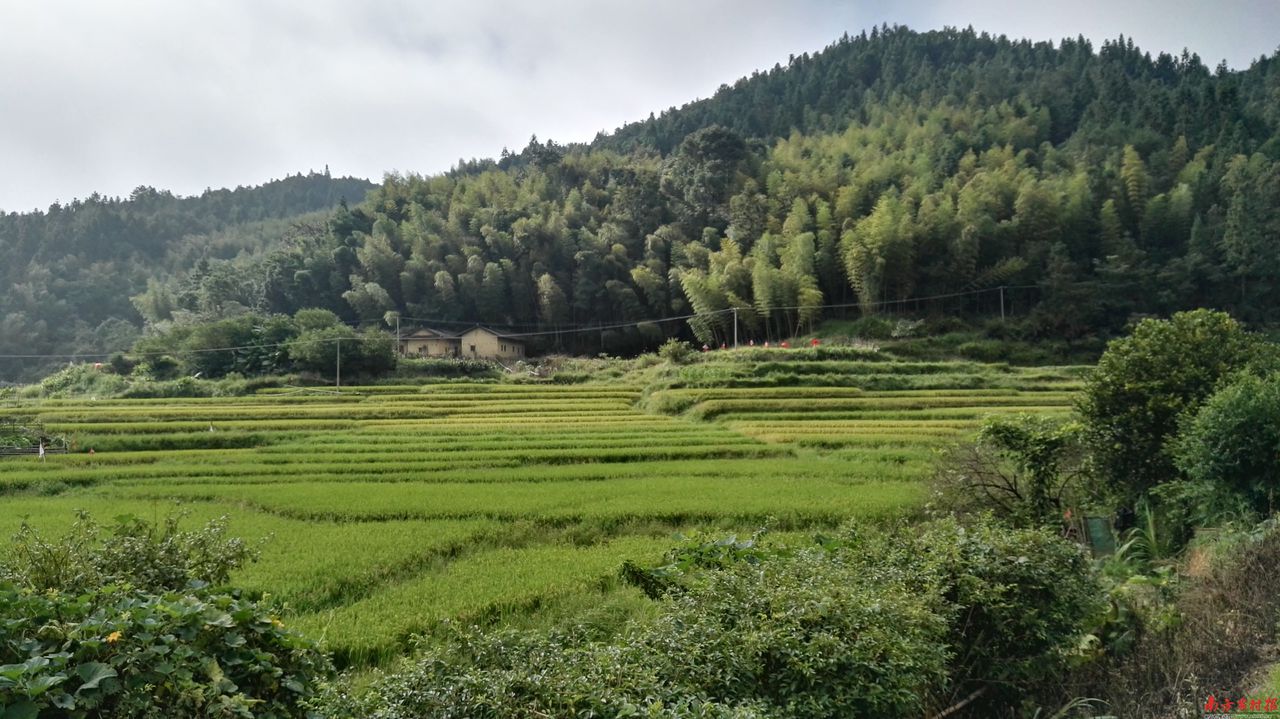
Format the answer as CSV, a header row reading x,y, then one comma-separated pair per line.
x,y
892,165
67,275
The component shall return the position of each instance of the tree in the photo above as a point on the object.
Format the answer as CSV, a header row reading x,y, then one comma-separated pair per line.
x,y
553,307
1145,383
1133,175
1026,469
362,353
1233,441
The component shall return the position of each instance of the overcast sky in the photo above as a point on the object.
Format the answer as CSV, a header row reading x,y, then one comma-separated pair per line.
x,y
106,96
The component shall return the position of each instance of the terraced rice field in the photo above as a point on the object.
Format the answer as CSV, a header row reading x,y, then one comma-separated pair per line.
x,y
389,509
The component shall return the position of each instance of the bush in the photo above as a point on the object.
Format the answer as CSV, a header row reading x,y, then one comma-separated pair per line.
x,y
1233,441
675,351
161,367
872,623
1224,624
446,367
181,387
122,653
808,637
127,626
136,553
874,327
120,364
1025,469
80,380
1145,383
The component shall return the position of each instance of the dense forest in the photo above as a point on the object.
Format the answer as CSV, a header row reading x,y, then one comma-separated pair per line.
x,y
69,273
892,165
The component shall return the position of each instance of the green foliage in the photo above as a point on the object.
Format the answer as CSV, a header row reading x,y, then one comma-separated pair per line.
x,y
1178,647
1144,385
20,433
81,380
1026,469
697,553
805,638
868,624
325,351
445,367
81,276
1233,441
133,552
675,351
125,625
124,653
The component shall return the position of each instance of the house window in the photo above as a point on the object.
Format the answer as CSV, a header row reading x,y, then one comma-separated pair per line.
x,y
473,349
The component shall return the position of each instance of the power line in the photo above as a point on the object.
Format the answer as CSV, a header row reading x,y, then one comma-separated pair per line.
x,y
579,329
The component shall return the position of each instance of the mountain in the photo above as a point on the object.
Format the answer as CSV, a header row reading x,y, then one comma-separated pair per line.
x,y
892,166
69,272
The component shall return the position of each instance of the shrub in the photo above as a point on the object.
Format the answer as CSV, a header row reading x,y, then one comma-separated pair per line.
x,y
446,367
1224,624
873,327
120,364
1022,600
157,367
1144,384
180,387
871,623
127,626
122,653
675,351
153,558
1025,469
808,637
1233,441
79,380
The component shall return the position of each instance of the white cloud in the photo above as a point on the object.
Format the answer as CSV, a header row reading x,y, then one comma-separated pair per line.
x,y
182,96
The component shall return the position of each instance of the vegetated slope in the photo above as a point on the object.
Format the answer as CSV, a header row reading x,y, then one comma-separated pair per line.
x,y
1087,95
69,273
888,167
394,508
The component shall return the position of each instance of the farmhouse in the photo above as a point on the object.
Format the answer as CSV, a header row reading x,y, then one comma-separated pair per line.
x,y
429,343
476,343
483,343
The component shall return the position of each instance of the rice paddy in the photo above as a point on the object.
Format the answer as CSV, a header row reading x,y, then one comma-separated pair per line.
x,y
385,511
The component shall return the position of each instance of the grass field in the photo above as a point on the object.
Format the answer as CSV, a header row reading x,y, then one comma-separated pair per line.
x,y
387,510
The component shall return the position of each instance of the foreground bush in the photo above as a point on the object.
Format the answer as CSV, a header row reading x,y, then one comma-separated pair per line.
x,y
124,623
1222,629
870,624
117,652
1144,385
132,552
1233,442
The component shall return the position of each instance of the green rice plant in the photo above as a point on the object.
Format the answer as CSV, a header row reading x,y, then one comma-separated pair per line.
x,y
476,589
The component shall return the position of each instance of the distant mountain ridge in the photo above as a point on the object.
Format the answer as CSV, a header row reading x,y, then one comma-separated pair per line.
x,y
69,271
1119,83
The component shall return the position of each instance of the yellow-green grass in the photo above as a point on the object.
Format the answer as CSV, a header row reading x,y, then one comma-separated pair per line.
x,y
799,499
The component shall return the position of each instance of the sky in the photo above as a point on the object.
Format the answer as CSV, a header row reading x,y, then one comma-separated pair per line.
x,y
183,96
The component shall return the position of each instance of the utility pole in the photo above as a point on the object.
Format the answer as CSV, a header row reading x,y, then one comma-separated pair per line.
x,y
735,328
1002,303
338,363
